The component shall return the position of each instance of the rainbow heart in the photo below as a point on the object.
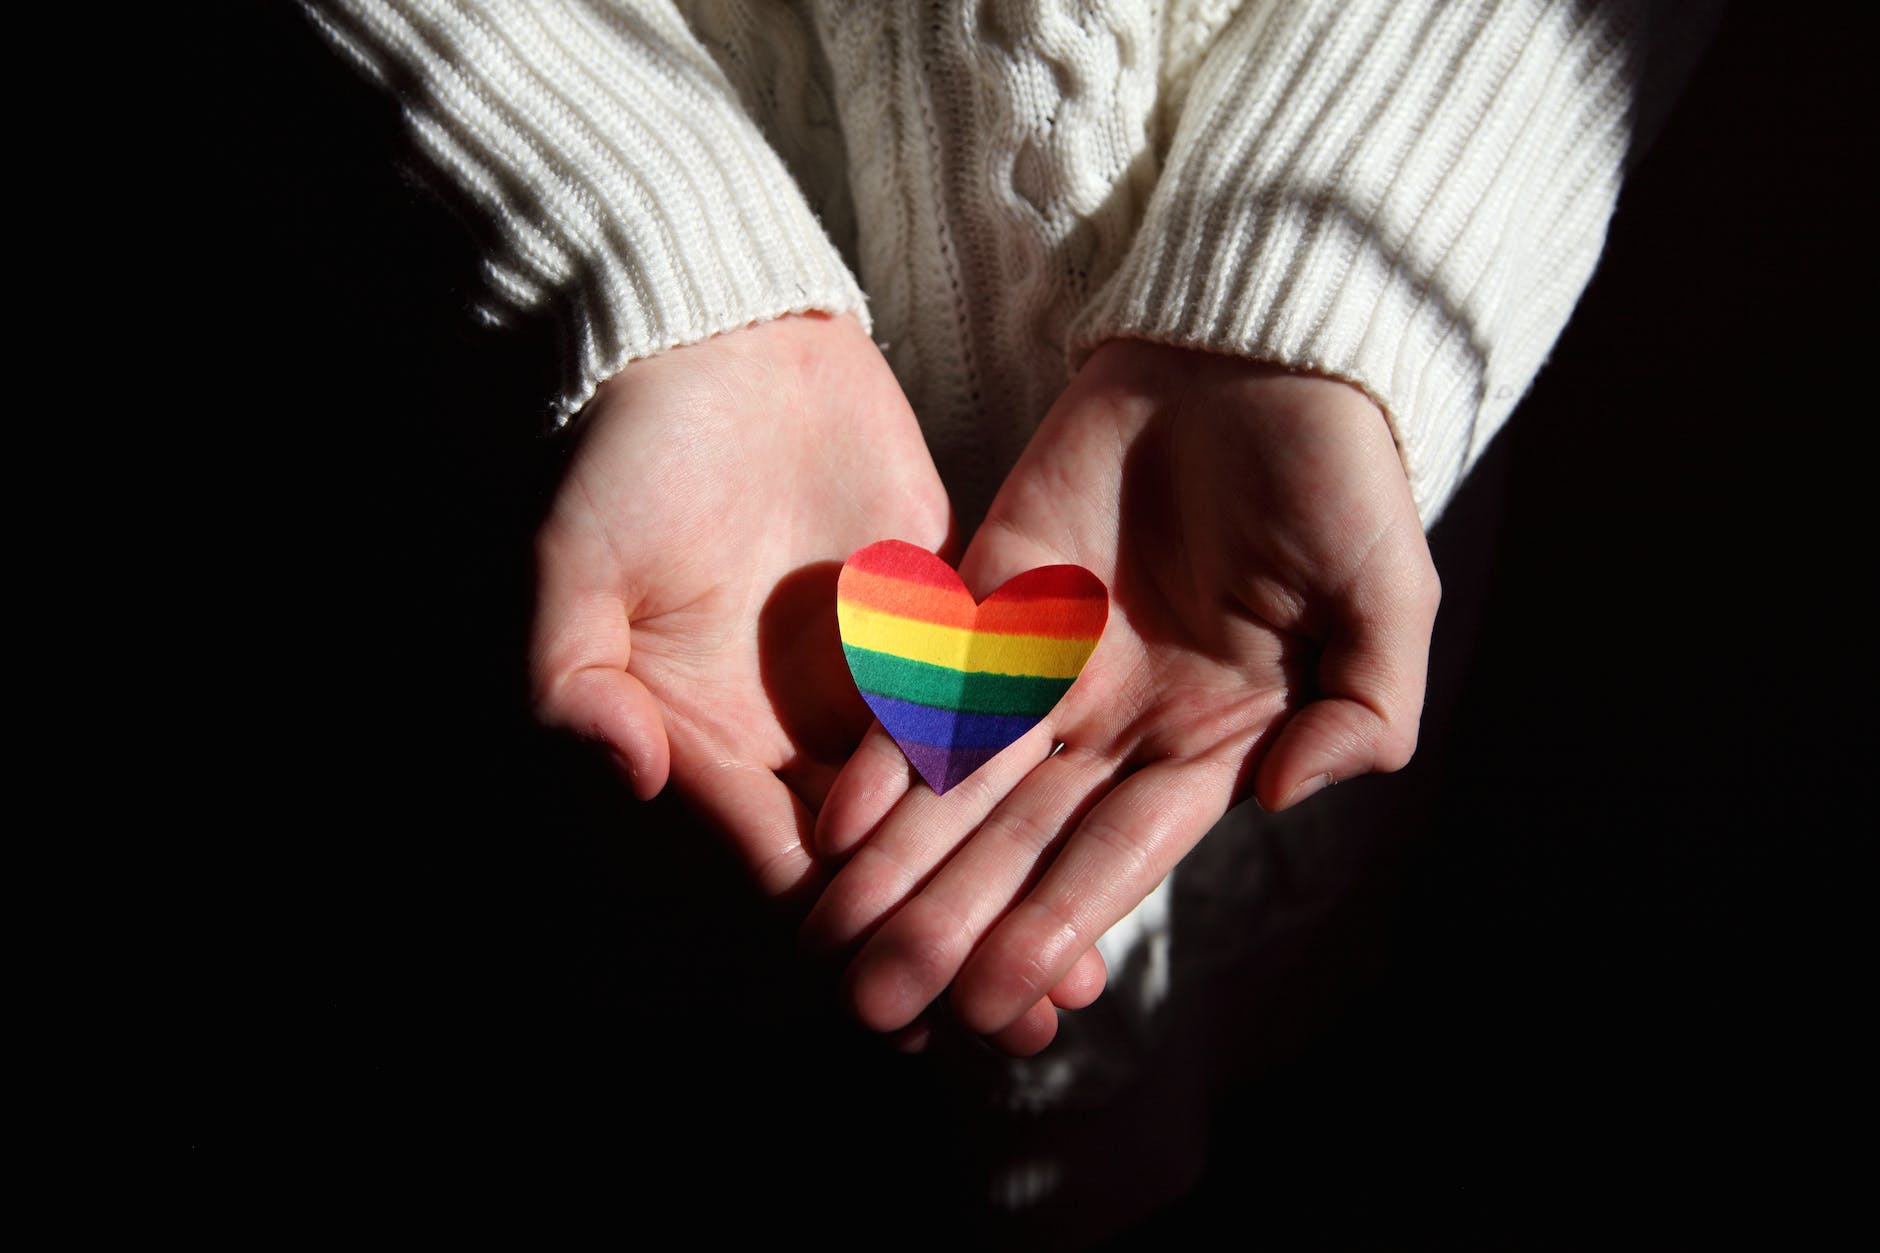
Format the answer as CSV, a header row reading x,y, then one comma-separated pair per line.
x,y
953,681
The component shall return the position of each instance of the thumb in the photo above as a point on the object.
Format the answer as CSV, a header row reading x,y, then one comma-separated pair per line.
x,y
999,553
616,709
578,673
1371,679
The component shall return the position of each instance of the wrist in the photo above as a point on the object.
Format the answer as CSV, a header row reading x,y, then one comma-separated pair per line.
x,y
1168,372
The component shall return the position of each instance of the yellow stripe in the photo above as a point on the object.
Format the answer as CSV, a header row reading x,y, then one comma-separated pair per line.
x,y
957,649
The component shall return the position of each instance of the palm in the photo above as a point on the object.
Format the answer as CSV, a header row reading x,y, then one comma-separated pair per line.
x,y
688,566
1271,601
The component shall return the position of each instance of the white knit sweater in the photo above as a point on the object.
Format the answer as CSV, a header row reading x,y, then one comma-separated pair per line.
x,y
1409,196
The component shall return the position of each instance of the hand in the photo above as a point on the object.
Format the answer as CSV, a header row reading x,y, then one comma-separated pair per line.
x,y
1272,601
686,611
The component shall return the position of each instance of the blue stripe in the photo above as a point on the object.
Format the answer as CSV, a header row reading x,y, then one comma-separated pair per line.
x,y
943,728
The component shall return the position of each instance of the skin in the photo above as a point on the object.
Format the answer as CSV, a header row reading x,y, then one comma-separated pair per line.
x,y
1272,598
682,618
1272,602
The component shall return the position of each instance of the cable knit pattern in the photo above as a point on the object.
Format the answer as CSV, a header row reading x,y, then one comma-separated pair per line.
x,y
1409,196
1000,159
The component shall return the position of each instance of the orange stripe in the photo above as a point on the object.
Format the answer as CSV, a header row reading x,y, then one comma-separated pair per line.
x,y
907,600
1059,619
1055,618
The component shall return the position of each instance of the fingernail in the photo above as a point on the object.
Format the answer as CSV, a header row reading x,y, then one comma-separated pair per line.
x,y
1311,787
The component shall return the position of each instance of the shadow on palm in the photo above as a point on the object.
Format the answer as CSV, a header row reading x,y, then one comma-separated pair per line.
x,y
806,677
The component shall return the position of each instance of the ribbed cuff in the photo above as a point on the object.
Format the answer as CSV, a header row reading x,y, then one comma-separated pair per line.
x,y
1407,197
629,193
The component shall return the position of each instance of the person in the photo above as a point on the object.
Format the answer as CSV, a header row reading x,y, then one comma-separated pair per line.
x,y
1218,300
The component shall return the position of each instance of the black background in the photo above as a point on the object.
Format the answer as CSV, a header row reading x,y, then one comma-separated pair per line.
x,y
432,946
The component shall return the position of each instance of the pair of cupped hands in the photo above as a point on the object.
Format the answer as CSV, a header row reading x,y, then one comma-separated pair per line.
x,y
1272,598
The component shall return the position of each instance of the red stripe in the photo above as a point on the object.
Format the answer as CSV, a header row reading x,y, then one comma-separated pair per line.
x,y
1060,602
1053,583
897,559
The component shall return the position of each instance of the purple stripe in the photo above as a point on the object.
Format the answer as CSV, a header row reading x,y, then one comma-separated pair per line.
x,y
941,767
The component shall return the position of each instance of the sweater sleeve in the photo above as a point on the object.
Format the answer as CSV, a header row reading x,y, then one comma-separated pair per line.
x,y
628,192
1410,197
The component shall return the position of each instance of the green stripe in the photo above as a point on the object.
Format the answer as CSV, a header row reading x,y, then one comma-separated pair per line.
x,y
1022,695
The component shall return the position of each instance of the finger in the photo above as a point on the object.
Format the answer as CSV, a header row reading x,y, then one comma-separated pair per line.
x,y
912,842
863,794
811,780
578,653
1029,1035
770,828
1084,983
917,951
1371,677
1119,853
998,554
615,709
913,1038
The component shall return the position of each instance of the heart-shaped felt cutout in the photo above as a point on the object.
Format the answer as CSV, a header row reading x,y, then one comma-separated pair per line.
x,y
954,682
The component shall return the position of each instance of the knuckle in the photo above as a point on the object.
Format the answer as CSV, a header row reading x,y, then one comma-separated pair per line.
x,y
779,872
549,700
869,887
1397,747
982,794
1022,831
1126,853
930,944
1430,591
1013,973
